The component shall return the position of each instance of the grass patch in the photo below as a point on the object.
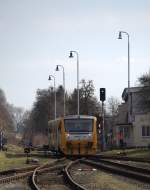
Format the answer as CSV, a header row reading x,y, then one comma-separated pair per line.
x,y
15,162
14,149
6,163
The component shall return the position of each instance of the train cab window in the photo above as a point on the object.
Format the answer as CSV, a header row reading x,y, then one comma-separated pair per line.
x,y
78,125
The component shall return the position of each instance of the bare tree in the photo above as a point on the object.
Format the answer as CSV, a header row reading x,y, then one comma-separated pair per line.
x,y
144,80
6,122
17,115
113,104
144,83
89,104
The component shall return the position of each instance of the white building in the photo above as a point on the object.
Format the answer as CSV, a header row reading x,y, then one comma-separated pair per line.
x,y
137,132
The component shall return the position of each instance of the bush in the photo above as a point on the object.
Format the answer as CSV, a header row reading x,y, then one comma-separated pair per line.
x,y
148,145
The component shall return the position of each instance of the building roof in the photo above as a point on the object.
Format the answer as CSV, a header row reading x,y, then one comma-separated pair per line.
x,y
133,90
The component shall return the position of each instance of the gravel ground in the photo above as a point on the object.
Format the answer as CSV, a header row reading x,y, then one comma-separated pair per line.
x,y
94,179
114,182
52,181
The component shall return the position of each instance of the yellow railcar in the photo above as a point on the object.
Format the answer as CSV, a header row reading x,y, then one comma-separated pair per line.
x,y
73,135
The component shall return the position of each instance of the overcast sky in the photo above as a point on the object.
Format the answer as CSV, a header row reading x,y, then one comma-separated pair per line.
x,y
35,35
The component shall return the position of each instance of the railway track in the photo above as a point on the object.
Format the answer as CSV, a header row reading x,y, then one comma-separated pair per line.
x,y
10,176
83,177
69,178
21,173
40,170
65,172
122,157
138,173
11,172
34,172
130,165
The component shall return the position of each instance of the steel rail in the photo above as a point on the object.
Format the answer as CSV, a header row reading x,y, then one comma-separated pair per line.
x,y
16,170
126,166
119,170
23,174
16,174
121,157
42,169
69,179
33,182
38,171
15,177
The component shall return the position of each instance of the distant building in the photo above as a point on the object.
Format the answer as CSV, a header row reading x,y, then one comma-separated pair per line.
x,y
135,133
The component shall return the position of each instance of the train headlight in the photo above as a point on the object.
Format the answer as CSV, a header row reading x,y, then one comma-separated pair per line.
x,y
90,136
67,135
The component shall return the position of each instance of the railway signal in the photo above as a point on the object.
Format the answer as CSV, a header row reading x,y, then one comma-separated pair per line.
x,y
103,98
27,151
102,94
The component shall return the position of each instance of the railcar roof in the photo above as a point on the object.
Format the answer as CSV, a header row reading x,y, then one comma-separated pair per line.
x,y
79,117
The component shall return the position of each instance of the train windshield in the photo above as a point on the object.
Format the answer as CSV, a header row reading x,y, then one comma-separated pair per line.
x,y
78,125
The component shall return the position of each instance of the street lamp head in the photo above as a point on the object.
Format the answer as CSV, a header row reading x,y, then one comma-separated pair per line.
x,y
50,78
57,68
120,36
71,54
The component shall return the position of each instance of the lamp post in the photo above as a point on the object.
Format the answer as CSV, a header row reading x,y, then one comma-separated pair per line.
x,y
50,78
129,102
57,69
71,56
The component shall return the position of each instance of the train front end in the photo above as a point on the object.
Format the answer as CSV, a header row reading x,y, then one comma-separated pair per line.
x,y
80,135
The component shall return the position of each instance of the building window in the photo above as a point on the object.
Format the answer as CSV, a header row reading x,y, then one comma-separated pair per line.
x,y
126,132
145,131
148,131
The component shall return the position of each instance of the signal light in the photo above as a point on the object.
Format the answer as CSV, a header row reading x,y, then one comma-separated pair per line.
x,y
102,94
